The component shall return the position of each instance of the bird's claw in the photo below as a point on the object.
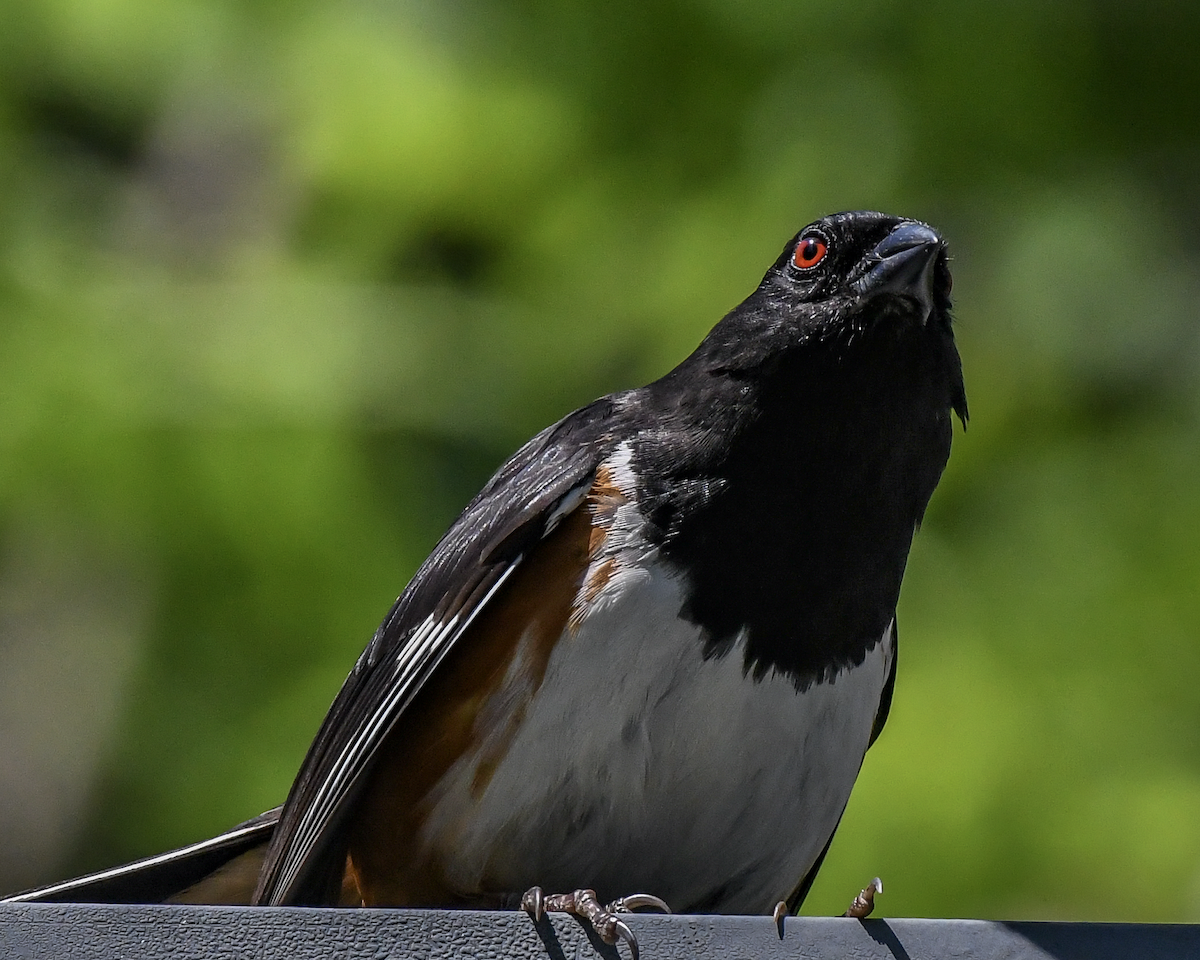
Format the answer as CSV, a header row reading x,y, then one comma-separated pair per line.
x,y
533,902
864,903
621,928
639,901
779,914
603,919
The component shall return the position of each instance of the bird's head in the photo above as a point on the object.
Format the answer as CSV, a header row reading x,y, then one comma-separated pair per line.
x,y
849,271
856,289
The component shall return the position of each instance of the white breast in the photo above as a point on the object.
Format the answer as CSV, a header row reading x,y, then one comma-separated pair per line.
x,y
640,765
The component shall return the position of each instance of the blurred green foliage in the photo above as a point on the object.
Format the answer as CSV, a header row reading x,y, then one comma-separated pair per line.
x,y
281,284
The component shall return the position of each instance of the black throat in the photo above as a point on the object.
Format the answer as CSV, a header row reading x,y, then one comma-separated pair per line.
x,y
792,513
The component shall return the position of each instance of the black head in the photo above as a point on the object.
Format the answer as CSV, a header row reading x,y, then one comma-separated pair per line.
x,y
845,262
842,283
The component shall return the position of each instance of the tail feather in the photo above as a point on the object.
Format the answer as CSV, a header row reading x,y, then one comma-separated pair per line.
x,y
211,871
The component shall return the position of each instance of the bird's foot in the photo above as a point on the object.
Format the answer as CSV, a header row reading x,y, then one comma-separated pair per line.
x,y
864,903
604,918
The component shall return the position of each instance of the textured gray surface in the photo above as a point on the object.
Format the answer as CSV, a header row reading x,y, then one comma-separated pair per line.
x,y
83,931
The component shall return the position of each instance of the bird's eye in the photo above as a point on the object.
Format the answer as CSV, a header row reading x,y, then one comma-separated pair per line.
x,y
809,252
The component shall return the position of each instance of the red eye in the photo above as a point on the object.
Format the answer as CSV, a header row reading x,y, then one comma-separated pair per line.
x,y
809,252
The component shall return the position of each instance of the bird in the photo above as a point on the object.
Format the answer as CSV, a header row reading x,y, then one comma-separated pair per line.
x,y
652,652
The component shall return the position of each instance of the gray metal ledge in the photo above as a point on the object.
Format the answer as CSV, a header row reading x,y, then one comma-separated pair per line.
x,y
85,931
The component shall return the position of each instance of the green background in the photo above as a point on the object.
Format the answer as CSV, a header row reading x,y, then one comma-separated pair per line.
x,y
281,284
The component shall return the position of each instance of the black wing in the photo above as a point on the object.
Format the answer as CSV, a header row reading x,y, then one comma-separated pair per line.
x,y
544,481
889,687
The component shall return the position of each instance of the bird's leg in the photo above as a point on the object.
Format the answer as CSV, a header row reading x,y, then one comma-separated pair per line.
x,y
864,903
604,919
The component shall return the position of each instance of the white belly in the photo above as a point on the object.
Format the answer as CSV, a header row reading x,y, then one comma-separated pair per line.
x,y
640,765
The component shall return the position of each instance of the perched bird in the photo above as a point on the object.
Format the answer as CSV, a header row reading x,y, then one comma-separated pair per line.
x,y
653,651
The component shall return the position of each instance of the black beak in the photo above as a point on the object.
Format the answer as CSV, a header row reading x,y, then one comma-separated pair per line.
x,y
902,265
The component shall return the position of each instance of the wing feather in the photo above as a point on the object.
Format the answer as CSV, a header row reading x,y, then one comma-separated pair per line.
x,y
543,482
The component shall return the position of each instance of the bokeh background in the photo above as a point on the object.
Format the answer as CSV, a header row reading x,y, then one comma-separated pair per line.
x,y
282,283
